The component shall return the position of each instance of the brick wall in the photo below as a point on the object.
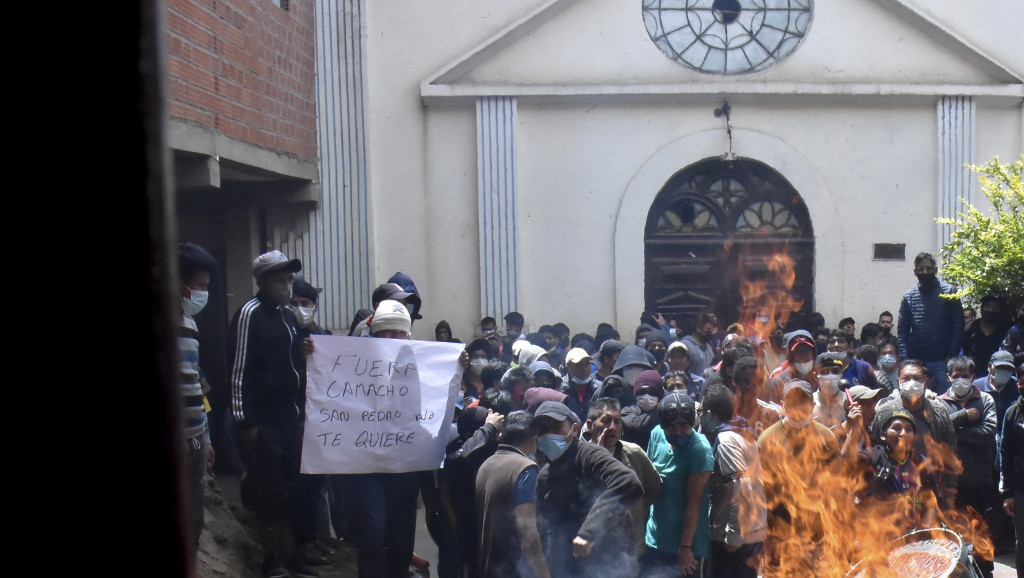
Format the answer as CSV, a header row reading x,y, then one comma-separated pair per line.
x,y
245,68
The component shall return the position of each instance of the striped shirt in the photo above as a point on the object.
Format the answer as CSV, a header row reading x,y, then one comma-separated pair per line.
x,y
191,390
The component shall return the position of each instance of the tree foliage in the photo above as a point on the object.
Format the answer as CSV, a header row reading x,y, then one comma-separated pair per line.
x,y
985,253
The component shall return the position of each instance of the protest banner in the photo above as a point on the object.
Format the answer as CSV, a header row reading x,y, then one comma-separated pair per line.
x,y
378,405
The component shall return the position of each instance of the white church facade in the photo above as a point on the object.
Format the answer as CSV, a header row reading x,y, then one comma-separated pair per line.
x,y
585,160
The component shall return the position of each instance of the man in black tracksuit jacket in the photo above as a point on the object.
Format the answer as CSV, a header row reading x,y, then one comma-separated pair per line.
x,y
265,396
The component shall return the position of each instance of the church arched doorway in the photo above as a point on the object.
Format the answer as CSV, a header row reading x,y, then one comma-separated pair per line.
x,y
732,237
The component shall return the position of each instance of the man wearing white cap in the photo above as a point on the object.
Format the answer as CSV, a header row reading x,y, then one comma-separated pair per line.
x,y
578,383
265,397
384,508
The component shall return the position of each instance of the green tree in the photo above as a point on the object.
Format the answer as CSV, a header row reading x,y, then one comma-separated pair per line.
x,y
985,253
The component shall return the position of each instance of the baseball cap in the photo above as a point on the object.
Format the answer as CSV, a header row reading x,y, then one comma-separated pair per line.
x,y
830,359
797,384
556,411
899,413
798,337
576,355
1002,358
389,291
859,392
274,261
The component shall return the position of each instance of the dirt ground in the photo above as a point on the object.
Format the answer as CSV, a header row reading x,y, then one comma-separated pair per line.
x,y
229,546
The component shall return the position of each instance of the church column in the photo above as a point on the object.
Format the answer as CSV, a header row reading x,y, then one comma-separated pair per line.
x,y
956,149
496,169
339,248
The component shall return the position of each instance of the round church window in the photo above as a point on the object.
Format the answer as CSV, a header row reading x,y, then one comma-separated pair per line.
x,y
727,36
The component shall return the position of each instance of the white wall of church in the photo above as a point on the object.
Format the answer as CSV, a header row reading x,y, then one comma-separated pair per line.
x,y
866,166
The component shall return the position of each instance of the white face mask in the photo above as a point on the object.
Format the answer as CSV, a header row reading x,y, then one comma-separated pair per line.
x,y
630,374
804,368
960,388
647,402
829,383
304,316
912,390
797,424
477,365
194,304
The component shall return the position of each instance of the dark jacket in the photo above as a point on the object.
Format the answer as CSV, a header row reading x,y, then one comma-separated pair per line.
x,y
265,351
587,493
637,424
931,328
975,441
463,458
1011,450
501,552
572,401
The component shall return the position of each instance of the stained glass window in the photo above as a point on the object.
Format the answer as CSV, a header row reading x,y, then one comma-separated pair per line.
x,y
727,36
767,217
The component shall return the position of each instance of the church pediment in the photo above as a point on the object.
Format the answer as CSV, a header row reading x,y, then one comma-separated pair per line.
x,y
599,48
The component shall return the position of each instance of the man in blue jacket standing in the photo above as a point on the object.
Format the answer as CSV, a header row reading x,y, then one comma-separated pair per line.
x,y
931,327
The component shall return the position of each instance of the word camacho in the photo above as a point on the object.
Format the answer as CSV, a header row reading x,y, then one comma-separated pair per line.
x,y
378,405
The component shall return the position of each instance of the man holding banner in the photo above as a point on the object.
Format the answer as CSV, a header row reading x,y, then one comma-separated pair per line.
x,y
380,410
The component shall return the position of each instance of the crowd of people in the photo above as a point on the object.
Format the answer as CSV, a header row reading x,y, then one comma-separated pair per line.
x,y
689,450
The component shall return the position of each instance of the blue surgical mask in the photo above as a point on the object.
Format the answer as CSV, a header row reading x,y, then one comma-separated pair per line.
x,y
1001,377
579,381
886,361
552,445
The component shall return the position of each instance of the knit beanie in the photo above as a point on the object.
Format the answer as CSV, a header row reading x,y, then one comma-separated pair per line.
x,y
651,380
391,314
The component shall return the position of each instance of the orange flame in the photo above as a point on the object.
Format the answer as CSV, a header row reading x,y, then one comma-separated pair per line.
x,y
821,520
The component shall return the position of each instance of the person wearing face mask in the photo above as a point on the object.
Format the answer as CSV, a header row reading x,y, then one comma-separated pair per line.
x,y
855,371
578,383
931,416
195,267
888,366
309,488
799,364
265,398
391,291
973,413
657,345
631,363
829,400
584,496
984,336
698,343
931,327
480,351
640,418
677,538
1000,383
794,453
